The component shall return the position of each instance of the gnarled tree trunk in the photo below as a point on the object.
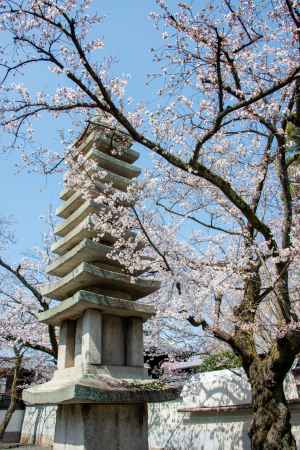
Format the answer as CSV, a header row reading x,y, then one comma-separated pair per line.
x,y
271,426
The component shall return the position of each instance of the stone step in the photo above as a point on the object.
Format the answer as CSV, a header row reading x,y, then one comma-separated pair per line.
x,y
113,165
73,308
85,251
89,276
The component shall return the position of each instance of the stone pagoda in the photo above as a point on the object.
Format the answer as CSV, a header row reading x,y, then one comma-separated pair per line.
x,y
100,385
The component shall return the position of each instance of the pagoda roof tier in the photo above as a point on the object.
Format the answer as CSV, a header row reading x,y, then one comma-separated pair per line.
x,y
89,276
82,231
86,251
73,308
69,206
113,164
76,199
110,146
129,155
87,208
117,182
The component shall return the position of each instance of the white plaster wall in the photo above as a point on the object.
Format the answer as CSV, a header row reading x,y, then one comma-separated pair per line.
x,y
225,387
168,429
39,425
15,423
172,430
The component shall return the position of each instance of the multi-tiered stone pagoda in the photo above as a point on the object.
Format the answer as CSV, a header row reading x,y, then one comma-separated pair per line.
x,y
100,385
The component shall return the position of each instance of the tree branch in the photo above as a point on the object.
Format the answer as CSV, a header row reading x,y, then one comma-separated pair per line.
x,y
200,222
28,344
155,248
22,279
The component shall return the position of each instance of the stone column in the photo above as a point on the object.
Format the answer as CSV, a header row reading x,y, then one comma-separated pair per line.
x,y
91,343
66,347
134,342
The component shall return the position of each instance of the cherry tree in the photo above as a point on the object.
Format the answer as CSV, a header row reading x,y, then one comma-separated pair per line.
x,y
21,301
33,346
24,369
217,209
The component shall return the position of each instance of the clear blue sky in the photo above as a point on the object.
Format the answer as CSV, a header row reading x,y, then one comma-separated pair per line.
x,y
128,34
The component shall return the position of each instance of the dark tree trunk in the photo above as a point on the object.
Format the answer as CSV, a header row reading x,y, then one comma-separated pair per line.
x,y
13,398
271,426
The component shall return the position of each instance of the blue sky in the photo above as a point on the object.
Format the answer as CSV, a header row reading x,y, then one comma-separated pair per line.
x,y
129,34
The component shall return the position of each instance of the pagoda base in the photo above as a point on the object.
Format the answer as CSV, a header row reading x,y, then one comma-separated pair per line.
x,y
101,427
99,389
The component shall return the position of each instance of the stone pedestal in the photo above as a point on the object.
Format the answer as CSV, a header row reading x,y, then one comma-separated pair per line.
x,y
100,385
101,427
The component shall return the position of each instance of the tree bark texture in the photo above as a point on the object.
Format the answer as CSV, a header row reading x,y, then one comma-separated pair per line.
x,y
271,425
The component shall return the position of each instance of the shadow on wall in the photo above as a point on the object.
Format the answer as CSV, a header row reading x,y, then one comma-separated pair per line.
x,y
39,425
218,388
220,432
172,430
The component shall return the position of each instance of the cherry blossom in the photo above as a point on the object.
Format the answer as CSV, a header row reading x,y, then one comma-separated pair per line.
x,y
215,214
